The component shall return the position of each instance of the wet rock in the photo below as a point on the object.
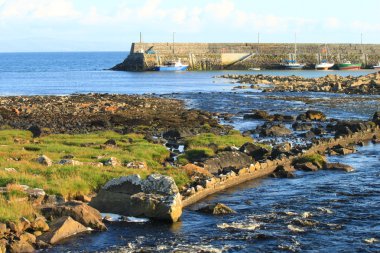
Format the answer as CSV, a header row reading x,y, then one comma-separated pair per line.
x,y
44,160
315,115
156,197
308,166
62,228
300,126
376,118
79,211
283,172
274,130
227,160
341,150
263,115
348,127
339,166
217,209
308,135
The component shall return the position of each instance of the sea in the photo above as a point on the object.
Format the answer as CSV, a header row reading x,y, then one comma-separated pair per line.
x,y
321,211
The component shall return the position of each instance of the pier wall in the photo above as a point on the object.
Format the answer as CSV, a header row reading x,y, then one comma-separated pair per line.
x,y
211,56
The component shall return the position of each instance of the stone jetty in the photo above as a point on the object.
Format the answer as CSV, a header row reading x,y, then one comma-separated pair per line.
x,y
366,84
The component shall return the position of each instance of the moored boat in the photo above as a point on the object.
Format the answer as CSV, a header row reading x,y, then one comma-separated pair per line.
x,y
376,66
324,65
172,66
292,64
349,66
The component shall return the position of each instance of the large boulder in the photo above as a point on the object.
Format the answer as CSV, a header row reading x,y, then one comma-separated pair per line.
x,y
227,160
274,130
156,197
62,228
79,211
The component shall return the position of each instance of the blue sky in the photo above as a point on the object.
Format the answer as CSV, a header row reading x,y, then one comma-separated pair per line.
x,y
99,25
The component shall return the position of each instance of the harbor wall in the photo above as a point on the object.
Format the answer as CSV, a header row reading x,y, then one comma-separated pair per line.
x,y
216,56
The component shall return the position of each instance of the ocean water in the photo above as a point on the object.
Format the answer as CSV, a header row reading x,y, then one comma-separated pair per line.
x,y
315,212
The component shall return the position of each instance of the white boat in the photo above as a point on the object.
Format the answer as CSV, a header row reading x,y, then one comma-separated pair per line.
x,y
324,65
172,66
256,69
377,66
293,64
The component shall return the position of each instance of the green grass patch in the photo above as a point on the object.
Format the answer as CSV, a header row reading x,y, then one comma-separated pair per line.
x,y
316,159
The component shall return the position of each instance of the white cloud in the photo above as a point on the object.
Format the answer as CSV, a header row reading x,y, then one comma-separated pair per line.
x,y
37,9
332,23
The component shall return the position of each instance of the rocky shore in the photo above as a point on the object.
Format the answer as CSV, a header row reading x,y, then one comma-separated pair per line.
x,y
367,84
207,156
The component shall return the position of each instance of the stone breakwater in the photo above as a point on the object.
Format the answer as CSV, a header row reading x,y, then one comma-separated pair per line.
x,y
232,178
96,112
366,84
216,56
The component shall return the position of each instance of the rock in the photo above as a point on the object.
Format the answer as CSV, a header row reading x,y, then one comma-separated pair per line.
x,y
79,211
28,237
308,166
281,150
283,172
21,246
3,228
308,135
227,160
217,209
114,162
12,170
194,170
376,118
299,126
257,115
62,228
257,151
339,166
156,197
20,226
274,130
36,131
111,142
315,115
44,160
175,134
40,224
70,162
137,165
3,246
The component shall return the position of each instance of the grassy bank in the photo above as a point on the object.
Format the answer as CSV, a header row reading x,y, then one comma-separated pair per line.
x,y
18,150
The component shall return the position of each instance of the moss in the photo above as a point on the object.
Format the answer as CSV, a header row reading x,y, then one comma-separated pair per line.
x,y
316,159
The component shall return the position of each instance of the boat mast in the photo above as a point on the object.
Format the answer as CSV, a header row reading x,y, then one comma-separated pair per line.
x,y
295,46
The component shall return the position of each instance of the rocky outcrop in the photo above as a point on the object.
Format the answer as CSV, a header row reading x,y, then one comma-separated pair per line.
x,y
62,228
156,197
366,84
339,166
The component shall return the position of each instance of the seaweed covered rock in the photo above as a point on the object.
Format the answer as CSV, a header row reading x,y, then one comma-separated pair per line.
x,y
156,197
217,209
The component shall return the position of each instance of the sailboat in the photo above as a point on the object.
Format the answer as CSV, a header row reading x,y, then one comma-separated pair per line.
x,y
293,64
325,64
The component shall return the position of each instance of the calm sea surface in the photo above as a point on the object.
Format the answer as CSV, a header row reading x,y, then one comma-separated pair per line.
x,y
343,209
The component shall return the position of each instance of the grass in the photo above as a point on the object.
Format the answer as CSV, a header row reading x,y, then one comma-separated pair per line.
x,y
19,150
12,210
205,140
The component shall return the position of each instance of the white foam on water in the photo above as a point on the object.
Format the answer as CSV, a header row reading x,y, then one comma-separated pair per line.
x,y
238,225
295,229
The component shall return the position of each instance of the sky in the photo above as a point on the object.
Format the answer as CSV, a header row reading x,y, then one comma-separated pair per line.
x,y
112,25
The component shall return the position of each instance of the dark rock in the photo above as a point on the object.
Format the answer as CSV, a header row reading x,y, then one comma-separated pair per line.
x,y
110,142
263,115
315,115
376,118
339,166
283,172
227,160
36,131
176,134
308,166
308,135
274,130
258,152
298,126
217,209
